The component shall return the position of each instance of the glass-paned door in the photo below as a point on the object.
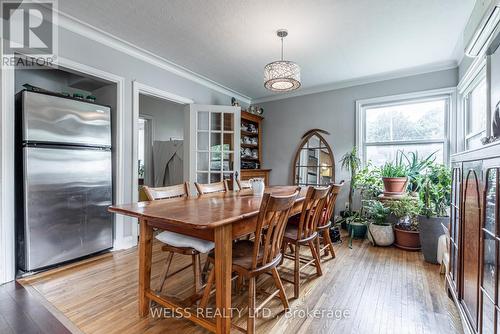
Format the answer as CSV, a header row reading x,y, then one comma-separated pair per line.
x,y
216,147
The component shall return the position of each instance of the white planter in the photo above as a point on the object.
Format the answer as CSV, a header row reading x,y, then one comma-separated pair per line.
x,y
381,235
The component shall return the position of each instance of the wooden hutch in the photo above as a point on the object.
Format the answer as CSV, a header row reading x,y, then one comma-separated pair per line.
x,y
473,280
251,148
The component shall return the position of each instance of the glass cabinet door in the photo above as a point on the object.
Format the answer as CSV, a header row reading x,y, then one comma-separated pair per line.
x,y
490,250
454,227
471,237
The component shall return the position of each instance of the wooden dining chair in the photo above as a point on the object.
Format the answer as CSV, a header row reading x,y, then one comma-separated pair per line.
x,y
263,255
218,187
243,184
175,243
305,233
325,222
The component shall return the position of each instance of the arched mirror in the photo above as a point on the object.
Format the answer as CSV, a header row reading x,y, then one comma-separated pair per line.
x,y
314,163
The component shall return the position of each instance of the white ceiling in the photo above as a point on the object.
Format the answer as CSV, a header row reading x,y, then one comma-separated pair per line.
x,y
230,41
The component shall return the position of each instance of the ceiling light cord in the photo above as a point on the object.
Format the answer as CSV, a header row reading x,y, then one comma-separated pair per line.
x,y
282,48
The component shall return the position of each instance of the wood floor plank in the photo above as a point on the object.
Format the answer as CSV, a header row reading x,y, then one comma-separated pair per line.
x,y
385,290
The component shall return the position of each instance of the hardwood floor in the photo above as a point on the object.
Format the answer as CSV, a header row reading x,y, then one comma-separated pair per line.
x,y
20,312
364,290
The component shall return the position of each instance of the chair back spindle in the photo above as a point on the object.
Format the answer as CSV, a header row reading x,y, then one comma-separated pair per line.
x,y
217,187
271,222
179,190
312,211
330,203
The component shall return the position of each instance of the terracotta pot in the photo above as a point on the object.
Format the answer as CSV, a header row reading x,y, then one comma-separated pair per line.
x,y
394,185
409,240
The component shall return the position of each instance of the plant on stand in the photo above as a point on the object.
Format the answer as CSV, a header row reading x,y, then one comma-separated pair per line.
x,y
395,176
435,197
404,211
380,231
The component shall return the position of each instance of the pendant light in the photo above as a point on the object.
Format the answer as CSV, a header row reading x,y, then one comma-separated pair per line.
x,y
282,75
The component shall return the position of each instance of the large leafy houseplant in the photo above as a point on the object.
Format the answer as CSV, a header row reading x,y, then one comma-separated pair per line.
x,y
435,192
351,163
369,182
416,167
435,196
376,212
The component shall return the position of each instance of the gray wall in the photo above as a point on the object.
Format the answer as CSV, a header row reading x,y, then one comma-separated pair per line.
x,y
334,111
168,117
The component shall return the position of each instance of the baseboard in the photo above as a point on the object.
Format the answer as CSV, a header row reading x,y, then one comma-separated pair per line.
x,y
124,243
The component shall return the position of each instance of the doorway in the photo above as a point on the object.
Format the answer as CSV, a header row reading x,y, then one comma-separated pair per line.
x,y
159,138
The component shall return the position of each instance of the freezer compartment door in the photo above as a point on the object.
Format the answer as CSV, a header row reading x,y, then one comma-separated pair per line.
x,y
55,119
67,193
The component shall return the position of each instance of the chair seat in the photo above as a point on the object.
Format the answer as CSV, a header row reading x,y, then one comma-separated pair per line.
x,y
291,232
242,254
181,240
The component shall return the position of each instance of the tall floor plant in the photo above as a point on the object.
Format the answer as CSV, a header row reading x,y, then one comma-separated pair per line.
x,y
351,163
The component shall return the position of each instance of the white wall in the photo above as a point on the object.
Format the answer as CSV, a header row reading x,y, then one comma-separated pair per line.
x,y
334,111
168,117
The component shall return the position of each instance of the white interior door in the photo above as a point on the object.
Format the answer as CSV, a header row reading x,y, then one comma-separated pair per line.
x,y
214,143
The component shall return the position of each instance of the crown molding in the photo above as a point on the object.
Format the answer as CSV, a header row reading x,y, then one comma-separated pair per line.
x,y
98,35
362,81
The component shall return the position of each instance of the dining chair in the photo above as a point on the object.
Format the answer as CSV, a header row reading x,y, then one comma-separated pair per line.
x,y
217,187
325,222
263,255
243,184
175,243
305,233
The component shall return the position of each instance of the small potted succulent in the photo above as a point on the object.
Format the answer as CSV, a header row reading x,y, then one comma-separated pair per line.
x,y
380,231
395,176
435,196
404,213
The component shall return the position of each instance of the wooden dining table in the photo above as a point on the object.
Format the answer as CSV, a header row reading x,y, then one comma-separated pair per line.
x,y
218,217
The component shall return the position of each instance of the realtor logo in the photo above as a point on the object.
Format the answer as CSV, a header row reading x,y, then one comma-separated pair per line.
x,y
29,32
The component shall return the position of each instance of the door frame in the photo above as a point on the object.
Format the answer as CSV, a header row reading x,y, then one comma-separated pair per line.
x,y
139,88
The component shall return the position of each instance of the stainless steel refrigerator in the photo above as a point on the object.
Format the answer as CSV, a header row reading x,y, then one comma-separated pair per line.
x,y
64,179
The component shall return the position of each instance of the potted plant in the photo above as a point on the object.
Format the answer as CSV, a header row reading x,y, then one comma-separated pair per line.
x,y
435,195
369,182
395,176
415,169
351,162
380,231
404,213
356,227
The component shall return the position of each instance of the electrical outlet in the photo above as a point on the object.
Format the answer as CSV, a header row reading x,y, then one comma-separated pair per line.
x,y
346,205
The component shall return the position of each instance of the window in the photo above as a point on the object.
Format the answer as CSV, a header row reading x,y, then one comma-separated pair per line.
x,y
474,102
408,123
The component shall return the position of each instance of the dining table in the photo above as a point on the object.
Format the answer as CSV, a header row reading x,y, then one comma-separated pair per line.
x,y
218,217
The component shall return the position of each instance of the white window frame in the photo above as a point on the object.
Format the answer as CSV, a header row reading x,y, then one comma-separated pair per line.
x,y
449,94
477,72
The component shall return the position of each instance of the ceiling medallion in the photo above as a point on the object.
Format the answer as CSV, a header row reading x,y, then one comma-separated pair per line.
x,y
282,75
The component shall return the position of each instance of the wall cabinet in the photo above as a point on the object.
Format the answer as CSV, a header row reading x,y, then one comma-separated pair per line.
x,y
475,239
